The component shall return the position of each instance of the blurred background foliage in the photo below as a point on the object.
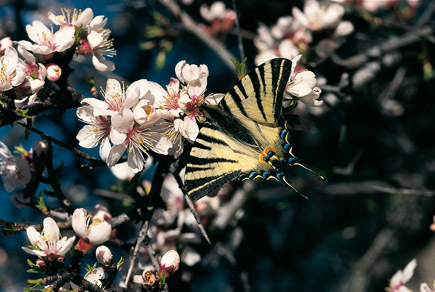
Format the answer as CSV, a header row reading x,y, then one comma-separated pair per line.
x,y
373,143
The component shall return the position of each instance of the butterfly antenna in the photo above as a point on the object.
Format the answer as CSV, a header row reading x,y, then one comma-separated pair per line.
x,y
293,188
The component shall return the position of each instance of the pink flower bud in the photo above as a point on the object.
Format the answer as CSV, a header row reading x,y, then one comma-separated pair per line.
x,y
104,256
53,72
169,262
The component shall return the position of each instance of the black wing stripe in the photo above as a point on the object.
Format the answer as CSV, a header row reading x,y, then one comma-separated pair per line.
x,y
199,160
209,139
237,100
258,90
208,184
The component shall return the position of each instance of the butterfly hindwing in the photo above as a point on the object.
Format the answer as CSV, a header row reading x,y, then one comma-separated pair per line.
x,y
210,163
238,130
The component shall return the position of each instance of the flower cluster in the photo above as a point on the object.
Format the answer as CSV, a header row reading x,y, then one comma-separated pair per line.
x,y
220,18
25,65
291,35
144,117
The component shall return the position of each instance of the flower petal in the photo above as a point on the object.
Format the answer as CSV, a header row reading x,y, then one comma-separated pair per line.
x,y
99,232
66,246
79,222
51,230
115,154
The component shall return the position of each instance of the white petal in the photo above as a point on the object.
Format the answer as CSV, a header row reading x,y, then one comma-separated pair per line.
x,y
95,39
135,160
99,233
64,38
408,272
33,235
4,151
344,28
105,149
51,230
424,288
85,113
87,137
101,64
79,222
306,76
66,246
123,121
43,50
38,253
190,128
122,171
115,154
300,16
138,279
85,17
117,137
178,69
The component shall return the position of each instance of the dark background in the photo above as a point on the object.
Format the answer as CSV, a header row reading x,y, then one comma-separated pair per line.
x,y
369,216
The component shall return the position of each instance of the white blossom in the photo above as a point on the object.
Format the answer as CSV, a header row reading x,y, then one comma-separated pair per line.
x,y
301,86
73,17
101,46
400,278
49,242
91,230
216,11
47,42
12,70
15,171
320,16
95,276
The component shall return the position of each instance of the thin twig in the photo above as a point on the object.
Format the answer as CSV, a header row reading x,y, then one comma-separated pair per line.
x,y
239,35
140,239
196,215
191,207
64,202
192,26
95,161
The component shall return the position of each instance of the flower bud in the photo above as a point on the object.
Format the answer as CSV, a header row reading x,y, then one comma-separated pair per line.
x,y
53,72
104,256
169,262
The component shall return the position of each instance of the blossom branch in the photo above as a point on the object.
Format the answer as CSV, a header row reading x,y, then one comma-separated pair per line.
x,y
94,161
52,99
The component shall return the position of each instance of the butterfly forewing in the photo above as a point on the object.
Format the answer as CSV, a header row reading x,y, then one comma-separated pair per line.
x,y
238,130
258,95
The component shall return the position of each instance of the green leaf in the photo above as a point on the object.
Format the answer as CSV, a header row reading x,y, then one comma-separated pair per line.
x,y
23,113
119,264
29,262
240,68
41,205
91,268
162,278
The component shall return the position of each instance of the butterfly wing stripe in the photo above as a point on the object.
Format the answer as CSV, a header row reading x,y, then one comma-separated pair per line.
x,y
258,90
209,184
237,100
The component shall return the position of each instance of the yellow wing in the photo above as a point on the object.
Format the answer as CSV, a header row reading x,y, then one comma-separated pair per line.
x,y
258,95
240,129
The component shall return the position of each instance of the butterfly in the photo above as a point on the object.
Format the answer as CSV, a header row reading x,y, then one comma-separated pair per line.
x,y
244,135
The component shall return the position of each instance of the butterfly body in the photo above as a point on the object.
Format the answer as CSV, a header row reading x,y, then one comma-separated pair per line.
x,y
244,136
